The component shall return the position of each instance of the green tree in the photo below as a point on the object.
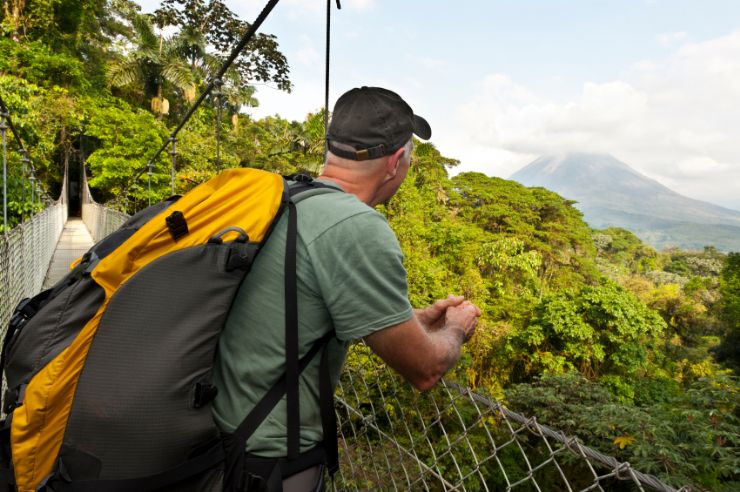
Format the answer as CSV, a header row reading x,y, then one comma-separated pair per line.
x,y
596,330
689,437
543,220
123,138
261,61
729,305
154,65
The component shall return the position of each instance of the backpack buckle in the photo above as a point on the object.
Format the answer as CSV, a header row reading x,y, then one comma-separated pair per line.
x,y
25,309
301,178
23,312
14,398
177,225
204,394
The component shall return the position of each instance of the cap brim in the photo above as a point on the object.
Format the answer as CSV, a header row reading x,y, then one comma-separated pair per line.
x,y
422,128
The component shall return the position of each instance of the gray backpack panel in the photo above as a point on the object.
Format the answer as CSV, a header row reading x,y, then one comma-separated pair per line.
x,y
143,425
47,334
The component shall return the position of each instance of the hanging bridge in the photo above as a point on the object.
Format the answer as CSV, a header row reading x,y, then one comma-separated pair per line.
x,y
391,437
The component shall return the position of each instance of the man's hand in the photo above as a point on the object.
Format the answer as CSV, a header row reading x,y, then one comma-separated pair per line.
x,y
432,317
463,318
426,346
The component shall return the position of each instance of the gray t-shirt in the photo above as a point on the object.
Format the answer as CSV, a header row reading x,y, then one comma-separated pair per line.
x,y
351,280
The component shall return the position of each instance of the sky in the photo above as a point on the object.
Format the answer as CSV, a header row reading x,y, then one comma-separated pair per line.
x,y
655,83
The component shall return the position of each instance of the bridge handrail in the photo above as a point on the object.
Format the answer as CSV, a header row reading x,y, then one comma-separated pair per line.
x,y
452,438
27,249
6,123
99,219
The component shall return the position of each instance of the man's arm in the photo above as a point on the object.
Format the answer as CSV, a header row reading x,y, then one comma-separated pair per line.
x,y
426,346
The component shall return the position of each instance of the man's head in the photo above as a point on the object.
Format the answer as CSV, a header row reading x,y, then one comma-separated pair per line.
x,y
369,141
375,122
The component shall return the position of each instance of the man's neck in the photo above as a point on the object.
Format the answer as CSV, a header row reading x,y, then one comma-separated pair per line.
x,y
362,191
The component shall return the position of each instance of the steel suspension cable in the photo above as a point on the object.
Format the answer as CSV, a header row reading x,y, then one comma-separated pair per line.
x,y
217,95
6,112
246,38
25,158
326,74
3,133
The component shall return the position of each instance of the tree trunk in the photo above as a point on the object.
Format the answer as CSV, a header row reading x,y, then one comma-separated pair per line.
x,y
13,12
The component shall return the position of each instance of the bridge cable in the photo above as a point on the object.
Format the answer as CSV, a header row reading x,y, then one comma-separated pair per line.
x,y
246,38
3,130
6,123
326,75
22,150
218,95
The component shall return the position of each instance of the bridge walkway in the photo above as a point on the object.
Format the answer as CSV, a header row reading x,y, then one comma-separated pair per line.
x,y
74,241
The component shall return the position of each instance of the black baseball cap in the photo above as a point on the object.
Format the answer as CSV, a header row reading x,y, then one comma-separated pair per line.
x,y
375,122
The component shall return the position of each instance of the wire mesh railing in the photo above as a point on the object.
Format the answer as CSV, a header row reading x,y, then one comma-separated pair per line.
x,y
27,248
25,254
450,438
99,219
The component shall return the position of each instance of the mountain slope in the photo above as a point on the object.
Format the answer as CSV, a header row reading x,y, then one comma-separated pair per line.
x,y
610,193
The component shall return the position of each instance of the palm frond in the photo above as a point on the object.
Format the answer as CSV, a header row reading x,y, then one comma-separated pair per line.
x,y
178,74
121,73
145,32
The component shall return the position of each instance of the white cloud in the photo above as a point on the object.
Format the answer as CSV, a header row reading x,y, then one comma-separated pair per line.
x,y
305,9
432,63
671,38
307,54
675,119
359,4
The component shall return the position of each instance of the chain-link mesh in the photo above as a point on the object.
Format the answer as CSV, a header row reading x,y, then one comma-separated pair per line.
x,y
25,254
99,219
27,249
394,438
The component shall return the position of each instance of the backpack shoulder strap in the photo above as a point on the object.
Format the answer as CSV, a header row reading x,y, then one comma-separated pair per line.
x,y
300,192
306,188
288,383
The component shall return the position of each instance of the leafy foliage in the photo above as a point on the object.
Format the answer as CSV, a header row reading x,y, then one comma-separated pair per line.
x,y
212,19
690,437
729,350
595,332
123,138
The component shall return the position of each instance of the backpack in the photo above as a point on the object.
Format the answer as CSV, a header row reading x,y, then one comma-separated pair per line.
x,y
109,372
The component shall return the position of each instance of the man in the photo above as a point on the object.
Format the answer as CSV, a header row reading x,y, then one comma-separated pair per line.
x,y
351,282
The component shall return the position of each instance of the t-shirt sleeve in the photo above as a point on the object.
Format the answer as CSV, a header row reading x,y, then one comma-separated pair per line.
x,y
359,268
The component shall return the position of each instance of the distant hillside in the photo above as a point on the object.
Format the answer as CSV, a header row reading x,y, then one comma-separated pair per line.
x,y
610,193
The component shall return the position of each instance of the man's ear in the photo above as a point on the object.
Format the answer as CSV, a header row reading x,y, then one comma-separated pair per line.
x,y
393,161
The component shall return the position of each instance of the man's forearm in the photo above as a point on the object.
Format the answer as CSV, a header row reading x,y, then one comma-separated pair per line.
x,y
447,342
423,348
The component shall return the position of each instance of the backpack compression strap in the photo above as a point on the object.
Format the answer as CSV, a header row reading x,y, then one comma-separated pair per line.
x,y
289,381
291,334
328,419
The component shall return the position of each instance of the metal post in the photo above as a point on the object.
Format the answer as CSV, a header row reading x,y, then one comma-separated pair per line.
x,y
32,179
218,83
3,131
149,181
26,165
173,153
134,189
